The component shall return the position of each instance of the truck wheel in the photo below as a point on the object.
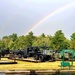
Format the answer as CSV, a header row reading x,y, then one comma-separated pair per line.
x,y
19,56
24,56
36,57
41,58
29,54
53,59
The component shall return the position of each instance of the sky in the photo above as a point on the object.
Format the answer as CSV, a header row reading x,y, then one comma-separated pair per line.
x,y
38,16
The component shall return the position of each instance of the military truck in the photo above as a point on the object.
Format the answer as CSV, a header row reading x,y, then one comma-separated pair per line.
x,y
39,53
4,52
18,53
45,55
28,52
36,53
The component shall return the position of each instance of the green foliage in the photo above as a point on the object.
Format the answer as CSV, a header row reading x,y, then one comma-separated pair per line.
x,y
42,35
13,37
42,40
1,45
72,45
5,42
56,42
73,36
29,39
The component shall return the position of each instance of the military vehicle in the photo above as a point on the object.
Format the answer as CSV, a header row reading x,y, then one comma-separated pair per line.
x,y
45,55
28,52
36,53
40,53
4,52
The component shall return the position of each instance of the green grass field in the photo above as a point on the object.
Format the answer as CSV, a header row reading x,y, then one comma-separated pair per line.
x,y
22,65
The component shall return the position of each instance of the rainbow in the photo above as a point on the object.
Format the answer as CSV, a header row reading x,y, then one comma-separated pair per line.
x,y
50,15
5,25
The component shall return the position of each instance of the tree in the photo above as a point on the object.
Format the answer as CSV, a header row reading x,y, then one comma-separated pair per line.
x,y
73,36
20,43
5,42
42,40
2,45
13,37
58,40
29,38
42,35
72,46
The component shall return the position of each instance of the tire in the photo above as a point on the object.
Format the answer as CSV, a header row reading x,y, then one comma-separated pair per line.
x,y
29,55
24,56
19,56
36,57
53,59
41,58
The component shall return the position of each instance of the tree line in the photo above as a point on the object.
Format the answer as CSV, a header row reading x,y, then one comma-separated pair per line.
x,y
56,42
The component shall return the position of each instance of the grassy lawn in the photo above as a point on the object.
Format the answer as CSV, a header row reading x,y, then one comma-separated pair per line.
x,y
22,65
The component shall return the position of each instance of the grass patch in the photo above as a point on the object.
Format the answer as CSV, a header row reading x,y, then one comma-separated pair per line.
x,y
22,65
